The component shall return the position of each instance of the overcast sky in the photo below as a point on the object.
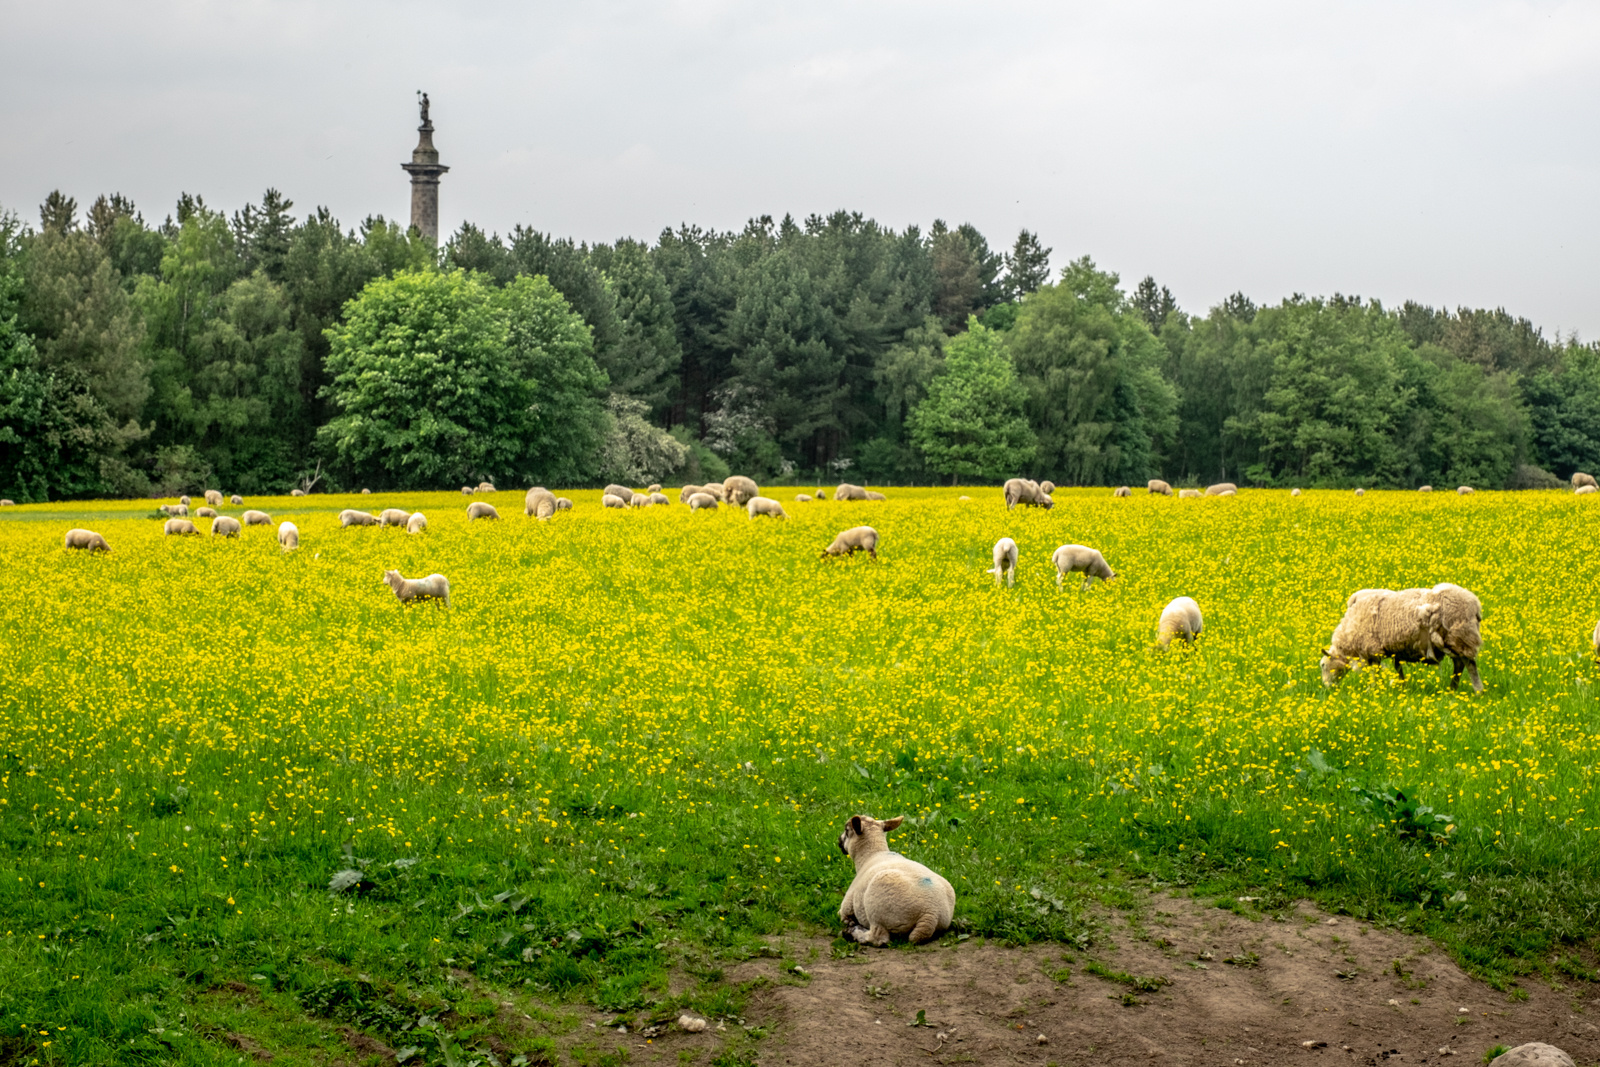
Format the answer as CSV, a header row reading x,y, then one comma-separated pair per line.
x,y
1444,152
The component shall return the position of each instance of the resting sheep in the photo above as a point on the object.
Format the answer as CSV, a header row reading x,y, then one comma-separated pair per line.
x,y
1583,490
890,894
175,527
479,509
761,505
875,496
87,539
214,497
1080,559
203,513
417,523
846,491
1005,561
702,500
256,518
802,498
1580,479
855,539
1156,485
611,500
288,536
539,502
434,587
1122,490
236,500
1220,488
1023,491
352,517
1181,619
739,490
225,526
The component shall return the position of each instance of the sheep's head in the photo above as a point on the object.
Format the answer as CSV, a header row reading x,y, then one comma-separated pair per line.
x,y
392,579
1333,667
865,829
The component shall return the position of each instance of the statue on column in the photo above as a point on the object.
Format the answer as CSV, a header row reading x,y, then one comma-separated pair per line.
x,y
424,97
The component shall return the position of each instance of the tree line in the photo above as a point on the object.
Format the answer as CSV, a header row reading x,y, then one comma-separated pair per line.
x,y
262,350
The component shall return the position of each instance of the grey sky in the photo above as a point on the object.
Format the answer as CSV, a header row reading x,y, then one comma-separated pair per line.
x,y
1444,152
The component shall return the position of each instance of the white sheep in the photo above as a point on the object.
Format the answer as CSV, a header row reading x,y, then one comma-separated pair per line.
x,y
1188,494
8,503
539,502
288,536
563,504
1023,491
715,489
1080,559
1412,626
802,498
256,518
621,492
87,539
686,492
225,526
1424,488
890,894
485,487
366,492
184,501
702,500
1361,492
297,492
180,510
435,587
1048,488
1583,490
204,513
393,517
640,500
1465,490
1295,491
872,495
1180,619
352,517
653,487
1595,641
479,509
853,540
466,490
611,500
1220,488
417,523
178,527
1122,490
1456,633
1580,479
214,497
761,505
846,491
1156,485
659,498
739,490
236,500
1005,561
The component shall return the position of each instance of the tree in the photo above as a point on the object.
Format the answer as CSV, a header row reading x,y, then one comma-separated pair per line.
x,y
262,234
644,362
635,452
1154,302
1027,266
971,424
965,273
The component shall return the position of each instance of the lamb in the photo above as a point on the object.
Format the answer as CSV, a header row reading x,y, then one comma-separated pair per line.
x,y
611,500
224,526
352,517
214,497
563,504
686,492
739,490
393,517
1122,490
417,523
1023,491
1075,559
761,505
1188,494
846,491
434,587
1005,561
1580,479
236,500
659,498
1181,619
1220,488
875,496
539,502
203,513
1465,490
621,492
478,509
256,518
1583,489
1156,485
288,536
297,492
639,500
178,527
890,894
702,500
853,540
87,539
1456,631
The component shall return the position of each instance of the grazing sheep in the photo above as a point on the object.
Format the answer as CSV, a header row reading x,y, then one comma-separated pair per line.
x,y
1361,492
716,490
1595,640
563,504
1379,623
256,518
1023,491
621,492
1181,618
686,492
236,500
352,517
416,523
853,540
702,500
963,498
1580,479
612,500
1047,488
297,492
179,527
214,497
479,509
1156,485
1188,494
802,498
434,587
225,526
539,502
393,517
184,501
485,487
1465,490
1583,489
846,491
1080,559
660,498
761,505
1424,488
288,536
8,503
739,490
1122,490
180,510
639,500
875,496
1294,492
653,488
1456,632
466,490
203,513
890,894
366,492
1220,488
1005,561
87,539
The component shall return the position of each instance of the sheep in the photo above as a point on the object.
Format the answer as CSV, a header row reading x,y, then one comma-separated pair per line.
x,y
478,509
846,491
853,540
352,517
539,502
686,492
653,488
739,490
366,492
563,504
485,487
1456,631
890,894
1181,619
1583,490
204,513
1295,491
1379,623
179,510
1465,490
761,505
214,497
802,498
1595,641
1005,561
393,517
1188,494
1220,488
702,500
1424,488
8,503
1122,490
288,536
659,498
184,501
297,492
875,496
466,490
1361,492
1022,491
224,526
1229,492
435,587
236,500
256,518
715,489
621,492
1075,559
87,539
1156,485
1580,479
639,500
1047,488
179,527
417,523
611,500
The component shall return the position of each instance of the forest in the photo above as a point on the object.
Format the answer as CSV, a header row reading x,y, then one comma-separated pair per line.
x,y
265,350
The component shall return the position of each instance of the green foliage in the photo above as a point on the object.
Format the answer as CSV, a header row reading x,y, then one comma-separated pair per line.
x,y
635,452
971,423
1027,266
644,362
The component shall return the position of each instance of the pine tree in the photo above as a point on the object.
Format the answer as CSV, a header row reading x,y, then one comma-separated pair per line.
x,y
1027,266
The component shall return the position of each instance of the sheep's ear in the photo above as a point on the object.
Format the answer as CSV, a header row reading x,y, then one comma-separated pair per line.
x,y
890,824
855,825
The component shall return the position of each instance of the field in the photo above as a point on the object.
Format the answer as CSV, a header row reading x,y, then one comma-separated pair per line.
x,y
624,754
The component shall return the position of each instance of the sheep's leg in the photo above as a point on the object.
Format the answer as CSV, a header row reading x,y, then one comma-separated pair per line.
x,y
1088,582
1011,577
873,552
1398,669
926,928
1472,669
1060,577
877,935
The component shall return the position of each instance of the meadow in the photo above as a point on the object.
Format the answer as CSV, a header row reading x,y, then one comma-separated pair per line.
x,y
625,752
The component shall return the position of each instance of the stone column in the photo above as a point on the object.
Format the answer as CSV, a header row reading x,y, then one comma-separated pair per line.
x,y
425,170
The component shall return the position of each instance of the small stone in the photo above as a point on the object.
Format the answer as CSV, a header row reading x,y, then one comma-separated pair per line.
x,y
800,970
1447,1051
941,1036
1533,1054
1042,1040
1393,1003
1463,1011
691,1023
1313,1044
1330,922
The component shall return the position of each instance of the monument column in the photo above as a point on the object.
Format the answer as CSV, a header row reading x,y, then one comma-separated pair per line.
x,y
425,169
